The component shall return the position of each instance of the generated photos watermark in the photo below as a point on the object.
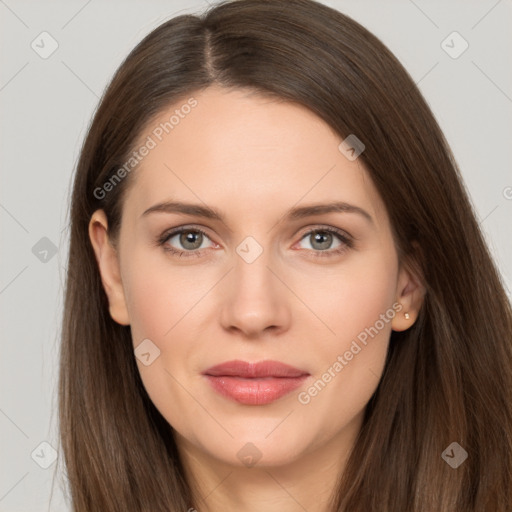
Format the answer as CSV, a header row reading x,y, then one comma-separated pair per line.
x,y
305,397
150,143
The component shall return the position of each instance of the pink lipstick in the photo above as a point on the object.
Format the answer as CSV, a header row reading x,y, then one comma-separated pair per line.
x,y
254,383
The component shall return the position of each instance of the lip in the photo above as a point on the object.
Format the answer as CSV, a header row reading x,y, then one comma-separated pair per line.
x,y
254,383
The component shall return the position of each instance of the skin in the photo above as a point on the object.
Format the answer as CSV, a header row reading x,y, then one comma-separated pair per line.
x,y
254,158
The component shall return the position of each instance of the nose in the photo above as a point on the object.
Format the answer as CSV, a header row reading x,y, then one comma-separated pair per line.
x,y
256,298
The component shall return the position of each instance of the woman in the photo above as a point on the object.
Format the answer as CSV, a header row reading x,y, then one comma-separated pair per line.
x,y
278,295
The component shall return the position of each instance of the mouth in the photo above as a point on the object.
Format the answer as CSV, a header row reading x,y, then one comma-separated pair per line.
x,y
254,383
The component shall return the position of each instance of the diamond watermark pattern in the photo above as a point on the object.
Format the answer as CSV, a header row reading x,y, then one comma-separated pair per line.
x,y
146,352
44,250
249,249
454,455
249,454
44,45
351,147
44,455
454,45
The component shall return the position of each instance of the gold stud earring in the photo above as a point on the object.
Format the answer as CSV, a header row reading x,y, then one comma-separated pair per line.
x,y
406,316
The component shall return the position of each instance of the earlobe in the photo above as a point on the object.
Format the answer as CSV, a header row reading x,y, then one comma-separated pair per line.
x,y
108,264
410,295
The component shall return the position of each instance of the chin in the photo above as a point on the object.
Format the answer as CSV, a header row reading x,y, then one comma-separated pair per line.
x,y
256,451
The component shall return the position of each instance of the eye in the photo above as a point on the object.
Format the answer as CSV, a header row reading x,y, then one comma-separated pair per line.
x,y
321,240
190,239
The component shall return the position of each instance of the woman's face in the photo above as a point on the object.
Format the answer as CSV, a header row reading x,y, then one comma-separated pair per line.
x,y
269,280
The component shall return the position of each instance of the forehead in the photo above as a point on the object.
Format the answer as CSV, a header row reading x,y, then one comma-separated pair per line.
x,y
235,148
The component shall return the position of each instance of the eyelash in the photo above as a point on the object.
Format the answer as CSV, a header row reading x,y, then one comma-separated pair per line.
x,y
347,241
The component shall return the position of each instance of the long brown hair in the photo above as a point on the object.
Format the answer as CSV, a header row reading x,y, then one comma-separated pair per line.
x,y
447,379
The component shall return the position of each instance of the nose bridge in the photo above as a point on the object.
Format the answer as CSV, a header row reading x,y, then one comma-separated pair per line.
x,y
252,277
256,299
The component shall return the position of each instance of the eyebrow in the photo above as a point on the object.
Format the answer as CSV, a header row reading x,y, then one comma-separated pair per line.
x,y
207,212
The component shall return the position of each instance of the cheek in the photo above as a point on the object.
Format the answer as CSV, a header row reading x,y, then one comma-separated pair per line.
x,y
149,306
166,303
158,294
358,308
162,302
350,298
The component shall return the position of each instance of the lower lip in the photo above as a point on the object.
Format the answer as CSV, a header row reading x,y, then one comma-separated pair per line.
x,y
254,391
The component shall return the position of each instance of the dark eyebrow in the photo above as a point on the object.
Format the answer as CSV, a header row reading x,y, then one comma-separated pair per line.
x,y
300,212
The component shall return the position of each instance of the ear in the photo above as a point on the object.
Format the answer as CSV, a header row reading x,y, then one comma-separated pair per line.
x,y
108,263
410,293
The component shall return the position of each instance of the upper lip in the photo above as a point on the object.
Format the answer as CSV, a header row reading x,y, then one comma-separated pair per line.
x,y
248,370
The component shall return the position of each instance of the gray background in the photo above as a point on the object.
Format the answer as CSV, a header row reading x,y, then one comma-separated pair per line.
x,y
46,105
